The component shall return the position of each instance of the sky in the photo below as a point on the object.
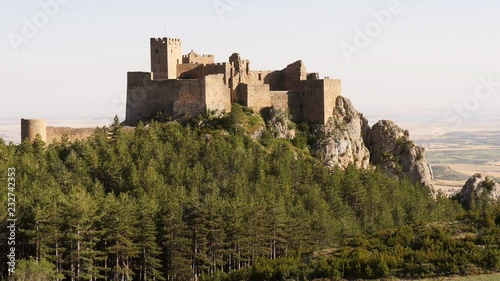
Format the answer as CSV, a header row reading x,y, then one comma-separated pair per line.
x,y
399,59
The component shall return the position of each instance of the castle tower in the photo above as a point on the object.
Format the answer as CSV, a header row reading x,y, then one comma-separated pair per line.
x,y
166,53
32,127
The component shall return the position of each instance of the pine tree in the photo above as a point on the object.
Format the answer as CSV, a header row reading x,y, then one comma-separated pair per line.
x,y
121,235
150,251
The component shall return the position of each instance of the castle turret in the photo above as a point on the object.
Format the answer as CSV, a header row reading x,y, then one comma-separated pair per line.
x,y
166,54
30,128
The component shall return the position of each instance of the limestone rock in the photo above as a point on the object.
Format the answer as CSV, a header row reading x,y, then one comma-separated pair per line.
x,y
476,187
340,142
279,123
393,152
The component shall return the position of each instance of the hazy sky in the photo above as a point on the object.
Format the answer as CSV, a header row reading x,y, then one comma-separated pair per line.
x,y
424,56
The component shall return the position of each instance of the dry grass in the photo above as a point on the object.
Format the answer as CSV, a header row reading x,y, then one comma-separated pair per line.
x,y
494,277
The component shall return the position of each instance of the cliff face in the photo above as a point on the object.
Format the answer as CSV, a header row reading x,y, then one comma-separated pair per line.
x,y
394,153
347,139
340,142
478,186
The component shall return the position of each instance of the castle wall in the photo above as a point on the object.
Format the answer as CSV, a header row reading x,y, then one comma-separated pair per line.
x,y
312,98
73,134
279,100
30,128
318,99
256,97
217,94
332,89
288,101
177,98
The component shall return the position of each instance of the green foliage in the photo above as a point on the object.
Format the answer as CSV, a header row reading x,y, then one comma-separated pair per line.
x,y
204,201
31,270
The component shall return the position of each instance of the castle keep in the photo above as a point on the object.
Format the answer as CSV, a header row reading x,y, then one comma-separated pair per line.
x,y
183,86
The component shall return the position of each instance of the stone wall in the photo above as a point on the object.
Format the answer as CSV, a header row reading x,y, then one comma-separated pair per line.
x,y
218,95
332,90
175,98
256,97
318,99
199,71
312,99
73,134
293,74
30,128
187,70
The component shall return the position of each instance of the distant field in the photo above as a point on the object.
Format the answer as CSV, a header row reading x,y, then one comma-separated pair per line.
x,y
494,277
477,156
452,167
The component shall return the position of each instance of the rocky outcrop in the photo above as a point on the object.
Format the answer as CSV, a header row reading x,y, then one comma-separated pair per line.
x,y
278,123
479,186
393,152
347,139
340,142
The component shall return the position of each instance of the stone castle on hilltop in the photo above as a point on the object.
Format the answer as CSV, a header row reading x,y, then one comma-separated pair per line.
x,y
183,86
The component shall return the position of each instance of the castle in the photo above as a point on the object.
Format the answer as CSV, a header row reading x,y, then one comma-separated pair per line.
x,y
183,86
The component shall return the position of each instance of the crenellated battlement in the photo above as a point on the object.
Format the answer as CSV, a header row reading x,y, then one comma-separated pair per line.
x,y
165,40
196,55
195,58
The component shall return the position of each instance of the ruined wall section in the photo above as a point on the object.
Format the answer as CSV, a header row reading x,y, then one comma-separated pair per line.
x,y
73,134
293,74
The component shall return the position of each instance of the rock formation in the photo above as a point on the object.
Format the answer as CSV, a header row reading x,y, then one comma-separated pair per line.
x,y
279,124
347,139
340,142
393,152
478,186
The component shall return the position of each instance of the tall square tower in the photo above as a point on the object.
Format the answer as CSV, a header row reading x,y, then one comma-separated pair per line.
x,y
166,53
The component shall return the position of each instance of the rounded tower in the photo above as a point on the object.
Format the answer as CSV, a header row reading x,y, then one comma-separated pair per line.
x,y
32,127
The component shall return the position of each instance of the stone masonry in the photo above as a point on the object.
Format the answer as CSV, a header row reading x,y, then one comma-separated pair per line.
x,y
184,86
